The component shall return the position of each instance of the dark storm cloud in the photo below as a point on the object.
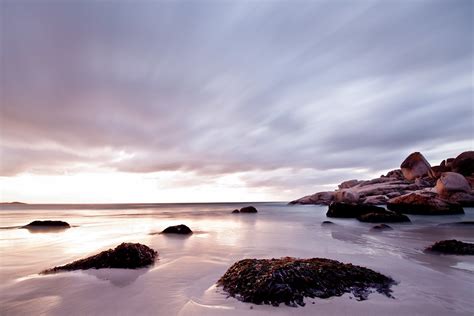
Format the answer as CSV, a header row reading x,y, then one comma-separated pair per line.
x,y
219,87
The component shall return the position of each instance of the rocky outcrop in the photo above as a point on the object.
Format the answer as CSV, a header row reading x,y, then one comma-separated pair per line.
x,y
124,256
289,280
383,217
452,247
423,203
464,163
248,209
47,224
416,176
178,229
452,182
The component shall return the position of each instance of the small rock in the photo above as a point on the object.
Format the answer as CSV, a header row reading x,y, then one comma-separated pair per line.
x,y
382,226
248,209
47,224
235,211
327,223
386,216
452,247
178,229
124,256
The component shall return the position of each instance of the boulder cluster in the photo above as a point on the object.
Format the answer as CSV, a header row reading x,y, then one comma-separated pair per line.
x,y
289,280
415,188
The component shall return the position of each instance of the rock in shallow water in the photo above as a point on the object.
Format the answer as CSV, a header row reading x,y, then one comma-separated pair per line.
x,y
178,229
381,217
124,256
346,210
289,280
452,247
47,224
248,209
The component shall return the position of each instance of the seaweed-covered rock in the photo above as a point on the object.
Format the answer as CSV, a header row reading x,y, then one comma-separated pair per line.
x,y
423,203
380,217
124,256
289,280
452,247
248,209
178,229
346,210
47,224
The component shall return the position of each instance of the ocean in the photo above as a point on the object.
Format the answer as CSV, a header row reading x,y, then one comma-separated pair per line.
x,y
182,281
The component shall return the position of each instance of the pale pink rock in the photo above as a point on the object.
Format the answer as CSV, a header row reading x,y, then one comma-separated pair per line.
x,y
451,182
347,196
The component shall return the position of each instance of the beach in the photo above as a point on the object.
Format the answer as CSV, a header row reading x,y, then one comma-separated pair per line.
x,y
182,280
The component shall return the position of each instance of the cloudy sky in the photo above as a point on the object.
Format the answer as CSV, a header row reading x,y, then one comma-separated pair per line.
x,y
162,101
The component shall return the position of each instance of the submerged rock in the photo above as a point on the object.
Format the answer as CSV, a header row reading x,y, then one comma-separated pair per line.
x,y
178,229
47,224
327,223
381,227
423,203
124,256
289,280
248,209
380,217
346,210
452,247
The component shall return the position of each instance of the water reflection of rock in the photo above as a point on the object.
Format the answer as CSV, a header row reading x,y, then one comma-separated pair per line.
x,y
41,230
117,277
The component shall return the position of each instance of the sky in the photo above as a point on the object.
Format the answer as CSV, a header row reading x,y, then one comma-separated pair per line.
x,y
195,101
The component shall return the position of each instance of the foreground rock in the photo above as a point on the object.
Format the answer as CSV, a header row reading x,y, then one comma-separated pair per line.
x,y
289,280
248,209
124,256
47,224
178,229
381,227
423,203
455,184
452,247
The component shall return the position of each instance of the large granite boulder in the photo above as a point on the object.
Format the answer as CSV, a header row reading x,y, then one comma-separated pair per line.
x,y
464,163
347,210
416,166
324,198
346,196
452,247
124,256
451,182
289,280
423,203
178,229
